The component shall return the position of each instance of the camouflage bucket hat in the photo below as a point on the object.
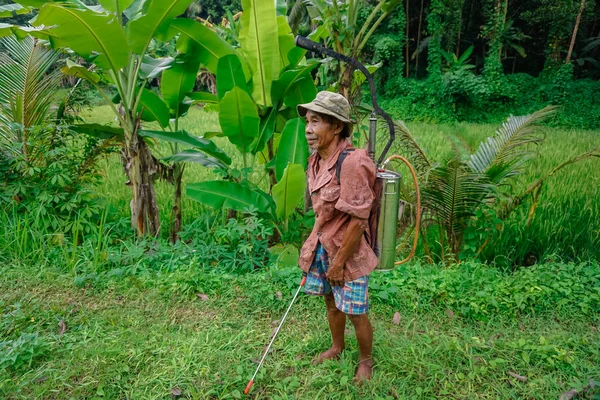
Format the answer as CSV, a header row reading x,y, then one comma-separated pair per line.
x,y
329,103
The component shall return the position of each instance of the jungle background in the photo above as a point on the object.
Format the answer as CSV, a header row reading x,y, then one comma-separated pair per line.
x,y
152,197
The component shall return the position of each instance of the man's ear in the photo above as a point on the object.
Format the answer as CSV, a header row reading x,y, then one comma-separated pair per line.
x,y
339,127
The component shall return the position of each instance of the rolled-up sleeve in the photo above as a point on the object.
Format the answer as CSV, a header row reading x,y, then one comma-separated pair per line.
x,y
357,177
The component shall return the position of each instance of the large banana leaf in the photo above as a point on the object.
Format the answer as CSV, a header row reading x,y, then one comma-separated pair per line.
x,y
153,108
115,5
79,71
97,37
266,130
286,41
183,137
289,191
223,194
210,47
7,10
229,74
99,131
22,32
153,67
303,91
196,156
259,29
152,20
288,79
239,118
293,148
177,82
203,97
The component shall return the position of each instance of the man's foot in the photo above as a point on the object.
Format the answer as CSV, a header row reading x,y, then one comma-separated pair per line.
x,y
364,370
331,354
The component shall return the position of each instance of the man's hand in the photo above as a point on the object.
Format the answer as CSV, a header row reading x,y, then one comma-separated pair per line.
x,y
335,274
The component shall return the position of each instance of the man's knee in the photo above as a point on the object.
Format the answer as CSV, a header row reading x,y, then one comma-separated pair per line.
x,y
358,319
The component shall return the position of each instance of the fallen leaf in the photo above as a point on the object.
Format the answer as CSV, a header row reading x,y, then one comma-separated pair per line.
x,y
517,376
449,313
299,356
62,325
202,297
176,392
568,395
396,319
255,360
41,379
275,323
278,295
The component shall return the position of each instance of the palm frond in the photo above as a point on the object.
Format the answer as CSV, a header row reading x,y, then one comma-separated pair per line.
x,y
453,194
297,15
505,152
411,149
28,86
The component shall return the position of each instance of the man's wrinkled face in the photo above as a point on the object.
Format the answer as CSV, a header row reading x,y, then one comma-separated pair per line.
x,y
319,132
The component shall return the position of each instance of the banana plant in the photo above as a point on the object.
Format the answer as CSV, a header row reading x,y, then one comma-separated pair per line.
x,y
258,88
114,36
338,26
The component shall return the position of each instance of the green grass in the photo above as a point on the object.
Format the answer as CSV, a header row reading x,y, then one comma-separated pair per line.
x,y
566,225
138,338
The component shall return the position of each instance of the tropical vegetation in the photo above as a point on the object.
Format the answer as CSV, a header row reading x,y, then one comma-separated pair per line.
x,y
152,196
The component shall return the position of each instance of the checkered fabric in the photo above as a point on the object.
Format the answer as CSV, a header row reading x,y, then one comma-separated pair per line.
x,y
352,298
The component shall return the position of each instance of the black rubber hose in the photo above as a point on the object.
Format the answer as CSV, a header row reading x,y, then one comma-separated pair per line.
x,y
320,49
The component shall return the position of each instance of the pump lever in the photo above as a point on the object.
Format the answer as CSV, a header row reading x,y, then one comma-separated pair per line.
x,y
320,49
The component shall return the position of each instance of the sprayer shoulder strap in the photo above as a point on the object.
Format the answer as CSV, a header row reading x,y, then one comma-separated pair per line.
x,y
340,161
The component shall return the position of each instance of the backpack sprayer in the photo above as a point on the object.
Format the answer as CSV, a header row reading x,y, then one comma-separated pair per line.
x,y
383,220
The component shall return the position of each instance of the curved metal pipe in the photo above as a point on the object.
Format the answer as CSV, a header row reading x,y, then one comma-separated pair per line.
x,y
320,49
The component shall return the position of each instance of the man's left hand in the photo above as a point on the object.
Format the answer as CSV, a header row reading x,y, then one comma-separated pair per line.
x,y
335,274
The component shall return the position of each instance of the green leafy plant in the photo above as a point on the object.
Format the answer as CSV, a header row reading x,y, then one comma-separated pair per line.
x,y
258,89
457,193
117,49
45,168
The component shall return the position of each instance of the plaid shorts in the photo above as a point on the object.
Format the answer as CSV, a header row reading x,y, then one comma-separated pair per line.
x,y
352,298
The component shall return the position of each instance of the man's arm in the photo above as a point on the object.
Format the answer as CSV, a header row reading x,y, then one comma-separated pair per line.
x,y
350,242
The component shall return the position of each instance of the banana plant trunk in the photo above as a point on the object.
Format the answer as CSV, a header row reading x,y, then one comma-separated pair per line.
x,y
176,210
140,167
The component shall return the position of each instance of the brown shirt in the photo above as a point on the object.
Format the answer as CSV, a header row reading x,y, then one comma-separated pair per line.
x,y
335,204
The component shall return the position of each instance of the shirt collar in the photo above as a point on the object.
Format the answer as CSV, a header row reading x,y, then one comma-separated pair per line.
x,y
332,160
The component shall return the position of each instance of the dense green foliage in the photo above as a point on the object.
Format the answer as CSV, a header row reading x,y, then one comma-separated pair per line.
x,y
168,322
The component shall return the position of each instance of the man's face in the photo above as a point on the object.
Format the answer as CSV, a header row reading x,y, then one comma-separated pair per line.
x,y
320,133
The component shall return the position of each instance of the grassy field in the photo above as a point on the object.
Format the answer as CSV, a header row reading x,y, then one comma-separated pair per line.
x,y
114,318
140,338
567,220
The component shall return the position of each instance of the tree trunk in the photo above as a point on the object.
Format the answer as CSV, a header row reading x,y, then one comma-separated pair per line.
x,y
345,82
176,211
407,39
140,167
419,40
577,21
460,15
272,177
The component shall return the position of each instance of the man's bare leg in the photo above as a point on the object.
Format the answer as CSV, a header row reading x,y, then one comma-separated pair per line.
x,y
337,324
364,337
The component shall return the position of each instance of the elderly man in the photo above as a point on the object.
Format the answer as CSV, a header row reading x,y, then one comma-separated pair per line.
x,y
336,256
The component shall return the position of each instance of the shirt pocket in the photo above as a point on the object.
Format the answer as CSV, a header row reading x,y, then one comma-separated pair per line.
x,y
329,195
